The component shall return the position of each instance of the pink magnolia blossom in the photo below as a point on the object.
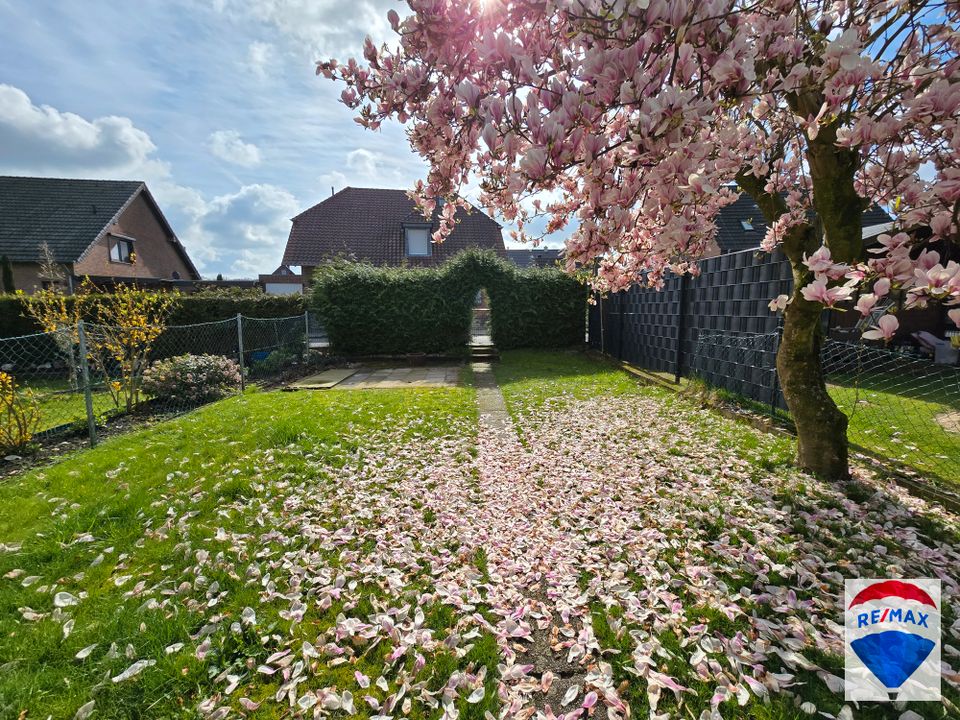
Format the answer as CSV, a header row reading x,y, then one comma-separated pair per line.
x,y
954,316
634,126
779,303
881,287
819,291
866,303
885,329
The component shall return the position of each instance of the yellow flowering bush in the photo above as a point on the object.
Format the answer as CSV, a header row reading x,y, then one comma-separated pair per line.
x,y
19,414
59,314
131,319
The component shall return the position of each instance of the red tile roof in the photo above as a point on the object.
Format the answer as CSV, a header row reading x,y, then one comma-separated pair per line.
x,y
367,224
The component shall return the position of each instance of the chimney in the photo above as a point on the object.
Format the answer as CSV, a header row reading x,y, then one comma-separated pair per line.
x,y
331,191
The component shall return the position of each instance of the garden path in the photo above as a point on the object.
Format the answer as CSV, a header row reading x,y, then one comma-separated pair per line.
x,y
560,679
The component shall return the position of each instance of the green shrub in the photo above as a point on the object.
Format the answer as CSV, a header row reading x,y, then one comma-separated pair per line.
x,y
191,379
219,305
371,310
274,363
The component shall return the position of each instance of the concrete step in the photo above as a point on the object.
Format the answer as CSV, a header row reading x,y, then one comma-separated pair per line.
x,y
484,353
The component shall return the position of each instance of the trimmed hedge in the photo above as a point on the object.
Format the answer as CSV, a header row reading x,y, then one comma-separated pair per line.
x,y
187,310
204,307
369,310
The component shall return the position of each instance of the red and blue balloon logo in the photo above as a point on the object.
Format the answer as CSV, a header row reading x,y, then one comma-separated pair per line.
x,y
893,624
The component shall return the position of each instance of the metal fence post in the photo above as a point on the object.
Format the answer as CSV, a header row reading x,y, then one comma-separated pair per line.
x,y
775,390
681,316
243,383
306,337
620,327
87,391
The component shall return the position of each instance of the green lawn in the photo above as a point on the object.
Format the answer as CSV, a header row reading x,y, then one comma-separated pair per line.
x,y
119,511
896,417
59,405
534,380
536,384
366,551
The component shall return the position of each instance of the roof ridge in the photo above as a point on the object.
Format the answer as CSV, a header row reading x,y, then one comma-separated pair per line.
x,y
69,179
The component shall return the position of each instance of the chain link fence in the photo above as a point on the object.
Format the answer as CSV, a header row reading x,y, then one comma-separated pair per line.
x,y
901,406
73,380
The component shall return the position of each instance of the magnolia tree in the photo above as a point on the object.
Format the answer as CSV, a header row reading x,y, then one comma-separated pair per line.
x,y
634,123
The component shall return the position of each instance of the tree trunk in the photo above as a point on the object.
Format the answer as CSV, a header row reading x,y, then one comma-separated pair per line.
x,y
821,426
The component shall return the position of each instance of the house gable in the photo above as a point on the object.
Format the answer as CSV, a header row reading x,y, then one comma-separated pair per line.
x,y
80,221
159,254
368,224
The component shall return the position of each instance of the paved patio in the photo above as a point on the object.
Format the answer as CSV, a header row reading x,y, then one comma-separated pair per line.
x,y
363,378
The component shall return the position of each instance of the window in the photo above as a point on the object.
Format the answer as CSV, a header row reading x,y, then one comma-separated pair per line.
x,y
746,224
121,250
418,241
176,275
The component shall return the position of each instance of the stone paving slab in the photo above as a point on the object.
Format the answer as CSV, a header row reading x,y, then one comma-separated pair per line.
x,y
403,377
325,380
490,402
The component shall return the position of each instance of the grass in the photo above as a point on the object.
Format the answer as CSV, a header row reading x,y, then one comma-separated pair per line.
x,y
891,415
82,524
895,416
531,379
59,405
120,525
534,381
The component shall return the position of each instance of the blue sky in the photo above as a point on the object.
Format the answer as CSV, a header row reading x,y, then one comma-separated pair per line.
x,y
214,104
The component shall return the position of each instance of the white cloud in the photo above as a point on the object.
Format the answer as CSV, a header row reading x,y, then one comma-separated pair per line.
x,y
41,138
362,161
335,179
260,56
323,28
243,232
230,147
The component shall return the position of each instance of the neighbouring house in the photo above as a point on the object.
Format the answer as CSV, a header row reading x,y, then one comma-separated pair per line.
x,y
740,225
382,227
535,257
92,228
282,281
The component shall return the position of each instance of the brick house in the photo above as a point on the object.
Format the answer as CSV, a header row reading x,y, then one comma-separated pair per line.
x,y
93,228
382,227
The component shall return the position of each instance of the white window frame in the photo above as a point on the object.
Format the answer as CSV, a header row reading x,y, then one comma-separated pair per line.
x,y
116,241
425,229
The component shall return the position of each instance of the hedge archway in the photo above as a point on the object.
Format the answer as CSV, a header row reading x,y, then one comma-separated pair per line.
x,y
371,310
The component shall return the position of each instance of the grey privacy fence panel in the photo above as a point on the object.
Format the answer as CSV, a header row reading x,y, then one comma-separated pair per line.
x,y
659,329
732,295
651,322
742,364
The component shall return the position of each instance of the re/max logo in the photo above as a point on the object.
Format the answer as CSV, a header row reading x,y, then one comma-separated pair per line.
x,y
892,615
